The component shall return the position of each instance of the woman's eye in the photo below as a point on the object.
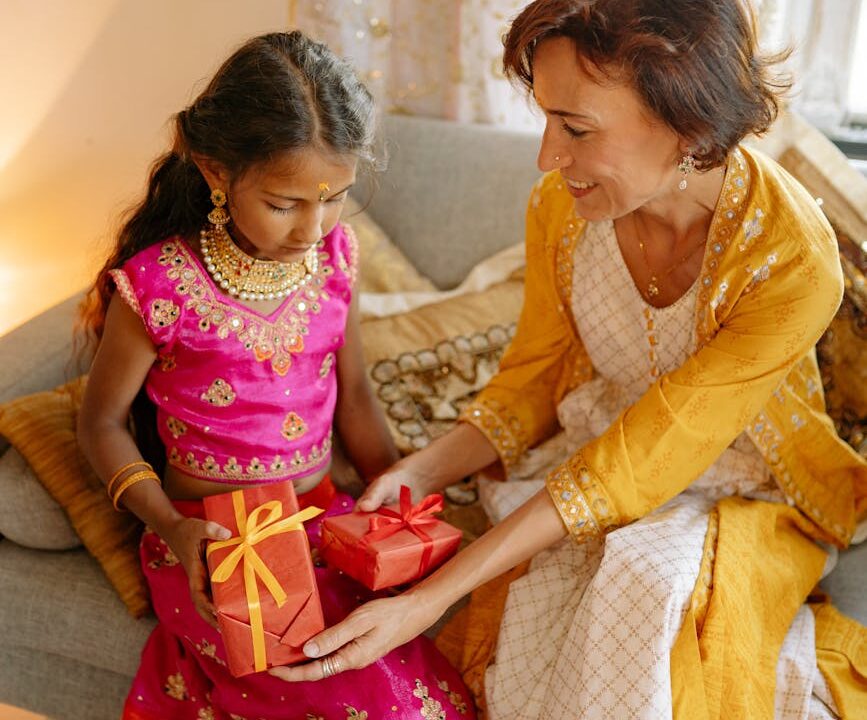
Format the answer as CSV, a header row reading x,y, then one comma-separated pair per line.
x,y
572,131
281,210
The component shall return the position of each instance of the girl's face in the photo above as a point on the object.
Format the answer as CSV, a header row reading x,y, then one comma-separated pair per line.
x,y
614,155
279,210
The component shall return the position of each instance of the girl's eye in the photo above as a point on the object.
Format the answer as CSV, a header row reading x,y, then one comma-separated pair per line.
x,y
338,198
572,131
280,210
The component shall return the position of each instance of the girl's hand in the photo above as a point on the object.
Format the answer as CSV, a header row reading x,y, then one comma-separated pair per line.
x,y
367,634
186,538
385,489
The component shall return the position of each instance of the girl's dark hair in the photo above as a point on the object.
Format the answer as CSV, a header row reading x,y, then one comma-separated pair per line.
x,y
277,93
695,63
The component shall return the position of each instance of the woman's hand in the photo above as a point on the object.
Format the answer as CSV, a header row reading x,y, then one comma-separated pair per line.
x,y
367,634
385,489
186,538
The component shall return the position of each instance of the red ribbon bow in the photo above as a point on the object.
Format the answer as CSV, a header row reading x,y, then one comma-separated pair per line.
x,y
411,517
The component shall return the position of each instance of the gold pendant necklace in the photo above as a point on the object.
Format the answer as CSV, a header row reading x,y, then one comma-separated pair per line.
x,y
249,278
653,284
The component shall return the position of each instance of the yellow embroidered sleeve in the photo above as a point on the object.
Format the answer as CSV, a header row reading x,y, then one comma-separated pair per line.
x,y
684,421
518,407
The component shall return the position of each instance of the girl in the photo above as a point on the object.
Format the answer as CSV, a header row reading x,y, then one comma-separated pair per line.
x,y
233,316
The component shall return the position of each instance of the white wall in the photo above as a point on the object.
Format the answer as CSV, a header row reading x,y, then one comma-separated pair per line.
x,y
86,89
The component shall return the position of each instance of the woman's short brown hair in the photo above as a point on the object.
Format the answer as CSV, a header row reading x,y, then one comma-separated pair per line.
x,y
695,63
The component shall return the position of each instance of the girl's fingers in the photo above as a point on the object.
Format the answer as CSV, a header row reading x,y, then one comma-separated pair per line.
x,y
374,496
215,531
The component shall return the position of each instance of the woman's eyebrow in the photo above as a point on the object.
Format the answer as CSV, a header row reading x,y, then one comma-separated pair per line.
x,y
287,197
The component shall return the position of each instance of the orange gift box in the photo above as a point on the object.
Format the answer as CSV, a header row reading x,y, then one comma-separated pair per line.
x,y
391,546
262,578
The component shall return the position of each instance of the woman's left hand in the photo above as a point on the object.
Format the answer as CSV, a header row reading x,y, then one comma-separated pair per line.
x,y
365,635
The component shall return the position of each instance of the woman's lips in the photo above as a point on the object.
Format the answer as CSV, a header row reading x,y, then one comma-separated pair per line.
x,y
580,189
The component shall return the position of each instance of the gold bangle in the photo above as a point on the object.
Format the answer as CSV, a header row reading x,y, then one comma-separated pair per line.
x,y
120,472
128,482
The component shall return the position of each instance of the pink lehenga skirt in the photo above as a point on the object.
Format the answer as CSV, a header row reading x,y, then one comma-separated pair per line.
x,y
183,673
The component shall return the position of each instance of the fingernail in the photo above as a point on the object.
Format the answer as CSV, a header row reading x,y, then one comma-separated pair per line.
x,y
223,534
311,649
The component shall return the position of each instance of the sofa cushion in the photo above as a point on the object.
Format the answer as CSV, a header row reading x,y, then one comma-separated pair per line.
x,y
425,365
60,603
28,514
42,428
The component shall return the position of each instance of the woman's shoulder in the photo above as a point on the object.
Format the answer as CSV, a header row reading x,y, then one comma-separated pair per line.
x,y
786,204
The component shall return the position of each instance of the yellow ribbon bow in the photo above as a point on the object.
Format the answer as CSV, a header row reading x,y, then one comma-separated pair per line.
x,y
252,530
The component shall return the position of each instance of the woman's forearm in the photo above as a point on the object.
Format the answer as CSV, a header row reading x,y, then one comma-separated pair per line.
x,y
450,458
528,530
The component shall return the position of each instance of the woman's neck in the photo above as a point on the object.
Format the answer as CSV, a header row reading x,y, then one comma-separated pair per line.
x,y
679,215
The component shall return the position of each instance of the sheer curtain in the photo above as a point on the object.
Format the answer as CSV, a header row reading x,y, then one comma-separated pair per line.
x,y
823,35
437,58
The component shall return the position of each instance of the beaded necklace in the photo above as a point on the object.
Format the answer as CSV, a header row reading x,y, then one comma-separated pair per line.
x,y
249,278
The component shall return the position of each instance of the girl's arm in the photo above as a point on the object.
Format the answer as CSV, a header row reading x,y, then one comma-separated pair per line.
x,y
376,628
358,417
123,359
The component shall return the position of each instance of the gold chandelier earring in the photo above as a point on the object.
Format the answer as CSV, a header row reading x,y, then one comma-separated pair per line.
x,y
685,167
219,216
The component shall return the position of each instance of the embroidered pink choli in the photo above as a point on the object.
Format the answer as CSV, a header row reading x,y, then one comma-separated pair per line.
x,y
241,397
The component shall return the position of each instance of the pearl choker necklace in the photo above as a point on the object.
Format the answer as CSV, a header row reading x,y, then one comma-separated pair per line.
x,y
247,277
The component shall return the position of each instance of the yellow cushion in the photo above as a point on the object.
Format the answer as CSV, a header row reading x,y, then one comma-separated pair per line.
x,y
427,364
382,268
42,428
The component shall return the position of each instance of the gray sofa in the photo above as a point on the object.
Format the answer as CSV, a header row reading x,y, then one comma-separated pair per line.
x,y
452,195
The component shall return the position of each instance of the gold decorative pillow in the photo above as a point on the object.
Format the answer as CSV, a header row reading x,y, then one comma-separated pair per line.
x,y
382,267
427,364
42,428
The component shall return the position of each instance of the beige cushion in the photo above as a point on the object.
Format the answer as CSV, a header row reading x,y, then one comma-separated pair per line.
x,y
383,268
42,525
425,365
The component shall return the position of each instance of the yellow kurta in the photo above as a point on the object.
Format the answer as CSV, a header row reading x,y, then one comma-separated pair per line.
x,y
769,285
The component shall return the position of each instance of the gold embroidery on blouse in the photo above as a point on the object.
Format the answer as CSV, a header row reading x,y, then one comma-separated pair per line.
x,y
455,698
163,313
326,366
176,427
167,362
175,687
431,708
219,394
205,713
208,468
293,427
270,341
124,287
353,714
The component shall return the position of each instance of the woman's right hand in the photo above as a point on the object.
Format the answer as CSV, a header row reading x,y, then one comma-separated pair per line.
x,y
186,539
385,489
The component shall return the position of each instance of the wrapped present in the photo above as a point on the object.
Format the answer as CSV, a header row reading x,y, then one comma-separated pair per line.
x,y
391,546
262,578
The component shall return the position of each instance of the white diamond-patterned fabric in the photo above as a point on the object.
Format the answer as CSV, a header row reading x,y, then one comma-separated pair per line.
x,y
588,631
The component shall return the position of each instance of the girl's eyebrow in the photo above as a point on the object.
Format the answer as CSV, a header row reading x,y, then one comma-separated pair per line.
x,y
294,199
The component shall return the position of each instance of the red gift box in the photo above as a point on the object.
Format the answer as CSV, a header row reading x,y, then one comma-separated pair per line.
x,y
391,546
262,578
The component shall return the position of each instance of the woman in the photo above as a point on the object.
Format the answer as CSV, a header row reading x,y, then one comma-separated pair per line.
x,y
676,285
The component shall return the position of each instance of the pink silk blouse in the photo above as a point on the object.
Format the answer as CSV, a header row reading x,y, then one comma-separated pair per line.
x,y
240,396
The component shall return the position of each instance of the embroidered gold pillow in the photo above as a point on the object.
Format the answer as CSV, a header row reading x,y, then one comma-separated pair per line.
x,y
382,267
42,428
427,364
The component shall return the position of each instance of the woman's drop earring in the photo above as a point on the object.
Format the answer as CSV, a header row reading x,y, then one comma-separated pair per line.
x,y
686,166
219,216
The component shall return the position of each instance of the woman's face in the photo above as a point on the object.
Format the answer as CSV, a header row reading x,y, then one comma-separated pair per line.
x,y
281,209
614,155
